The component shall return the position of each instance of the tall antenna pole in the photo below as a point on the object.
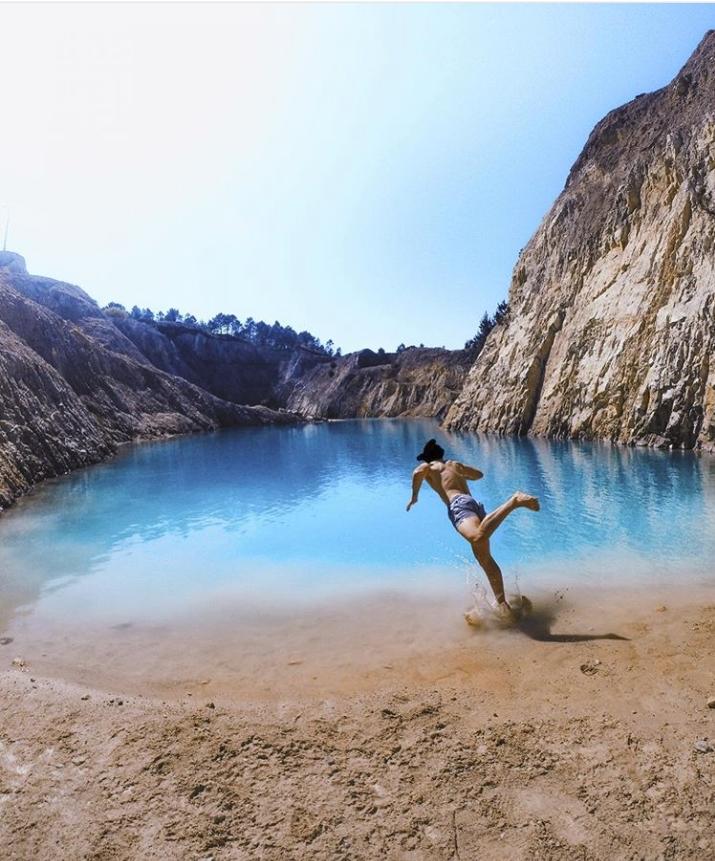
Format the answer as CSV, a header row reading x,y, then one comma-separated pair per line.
x,y
7,225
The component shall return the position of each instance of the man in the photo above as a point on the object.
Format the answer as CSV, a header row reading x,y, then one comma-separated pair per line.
x,y
469,517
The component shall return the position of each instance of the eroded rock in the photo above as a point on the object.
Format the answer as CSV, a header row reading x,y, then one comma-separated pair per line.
x,y
612,302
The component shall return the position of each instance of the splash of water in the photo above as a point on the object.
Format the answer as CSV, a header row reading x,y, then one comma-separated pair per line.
x,y
485,612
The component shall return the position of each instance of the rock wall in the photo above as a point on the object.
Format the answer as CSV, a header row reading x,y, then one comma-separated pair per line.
x,y
415,382
73,387
229,367
365,384
611,328
75,382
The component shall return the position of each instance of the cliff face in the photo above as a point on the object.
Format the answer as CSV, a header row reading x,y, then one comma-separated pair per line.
x,y
72,386
611,327
415,382
76,382
231,368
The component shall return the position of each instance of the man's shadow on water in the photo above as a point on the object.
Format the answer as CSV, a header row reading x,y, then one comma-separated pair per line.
x,y
537,624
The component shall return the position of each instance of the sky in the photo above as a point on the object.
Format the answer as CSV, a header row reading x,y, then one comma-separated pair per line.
x,y
366,172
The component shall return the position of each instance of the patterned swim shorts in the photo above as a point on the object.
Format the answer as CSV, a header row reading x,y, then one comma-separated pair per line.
x,y
463,506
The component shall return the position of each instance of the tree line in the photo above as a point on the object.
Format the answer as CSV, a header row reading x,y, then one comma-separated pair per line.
x,y
474,345
272,335
281,337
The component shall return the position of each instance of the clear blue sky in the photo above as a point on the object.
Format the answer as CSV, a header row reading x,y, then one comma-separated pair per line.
x,y
368,172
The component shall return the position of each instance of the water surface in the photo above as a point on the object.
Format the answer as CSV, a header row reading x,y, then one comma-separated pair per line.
x,y
267,517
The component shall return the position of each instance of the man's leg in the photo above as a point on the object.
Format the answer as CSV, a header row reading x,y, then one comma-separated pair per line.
x,y
482,554
492,521
477,533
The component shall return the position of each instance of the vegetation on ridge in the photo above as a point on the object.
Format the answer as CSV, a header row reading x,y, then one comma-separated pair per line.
x,y
474,345
279,337
258,332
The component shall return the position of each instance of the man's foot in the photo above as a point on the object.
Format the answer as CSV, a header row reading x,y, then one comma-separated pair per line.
x,y
523,500
505,613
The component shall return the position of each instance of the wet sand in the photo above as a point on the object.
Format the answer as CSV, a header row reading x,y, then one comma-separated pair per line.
x,y
380,728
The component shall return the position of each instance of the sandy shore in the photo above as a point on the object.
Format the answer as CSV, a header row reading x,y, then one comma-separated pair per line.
x,y
550,742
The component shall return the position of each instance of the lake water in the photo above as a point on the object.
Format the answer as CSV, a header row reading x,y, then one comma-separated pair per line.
x,y
274,516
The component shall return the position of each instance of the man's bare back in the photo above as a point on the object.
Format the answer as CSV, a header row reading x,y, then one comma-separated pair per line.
x,y
448,478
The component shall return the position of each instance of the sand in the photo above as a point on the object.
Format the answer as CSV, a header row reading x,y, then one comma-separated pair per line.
x,y
383,730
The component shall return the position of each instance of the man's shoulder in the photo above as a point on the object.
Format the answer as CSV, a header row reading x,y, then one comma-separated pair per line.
x,y
427,468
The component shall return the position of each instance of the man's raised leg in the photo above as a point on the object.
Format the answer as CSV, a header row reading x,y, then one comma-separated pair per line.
x,y
492,521
477,533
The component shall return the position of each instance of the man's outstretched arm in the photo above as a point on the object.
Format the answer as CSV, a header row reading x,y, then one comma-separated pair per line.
x,y
469,472
418,476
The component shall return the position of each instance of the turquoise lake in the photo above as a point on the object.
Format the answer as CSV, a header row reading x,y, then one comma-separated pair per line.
x,y
303,512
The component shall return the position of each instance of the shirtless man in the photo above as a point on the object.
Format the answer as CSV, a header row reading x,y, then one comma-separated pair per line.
x,y
448,479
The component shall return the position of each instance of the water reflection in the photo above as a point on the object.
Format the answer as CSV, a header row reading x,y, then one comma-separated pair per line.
x,y
196,510
601,496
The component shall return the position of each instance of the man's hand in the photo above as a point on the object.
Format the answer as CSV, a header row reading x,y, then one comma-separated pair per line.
x,y
418,476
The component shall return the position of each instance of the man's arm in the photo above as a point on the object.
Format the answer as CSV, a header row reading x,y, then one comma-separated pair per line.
x,y
470,472
418,476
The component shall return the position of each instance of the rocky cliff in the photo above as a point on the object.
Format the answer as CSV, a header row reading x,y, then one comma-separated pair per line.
x,y
73,387
611,329
229,367
76,382
418,381
414,382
